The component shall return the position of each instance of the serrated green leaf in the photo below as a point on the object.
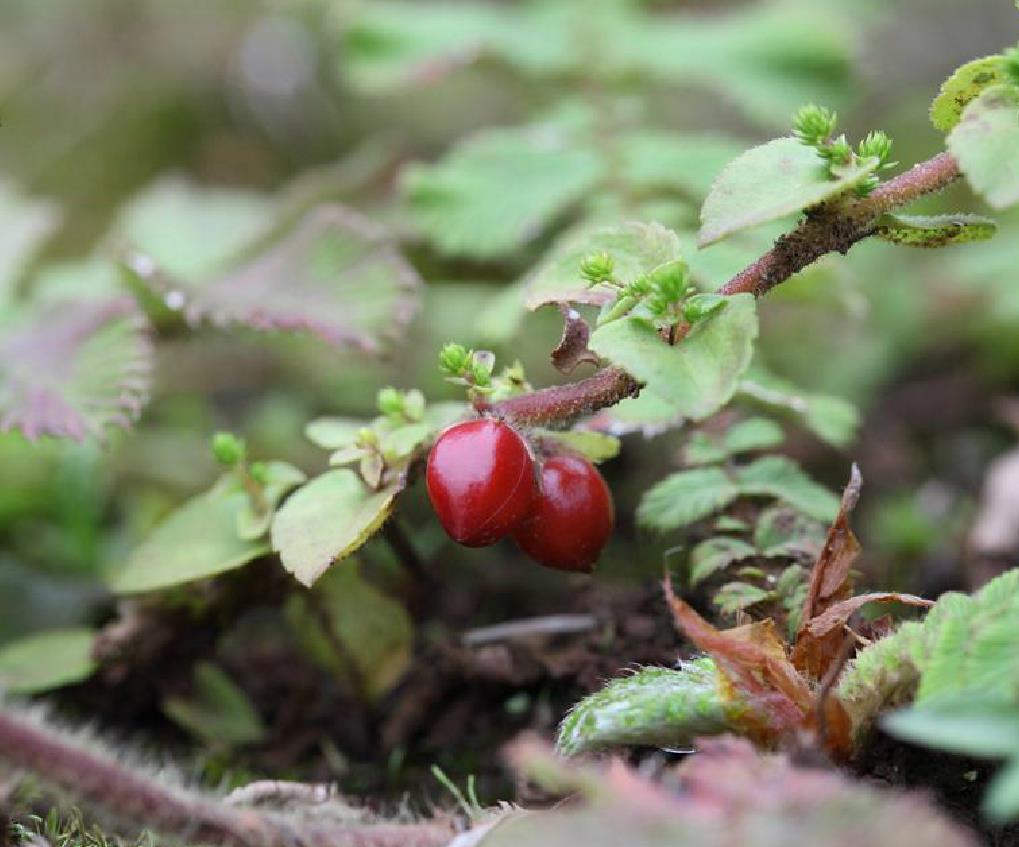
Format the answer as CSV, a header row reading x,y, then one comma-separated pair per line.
x,y
281,479
659,707
934,230
986,145
780,477
735,597
46,660
965,84
702,449
198,540
74,368
771,181
699,374
784,531
217,710
326,521
636,249
594,446
715,554
685,497
191,231
500,189
373,630
830,418
752,434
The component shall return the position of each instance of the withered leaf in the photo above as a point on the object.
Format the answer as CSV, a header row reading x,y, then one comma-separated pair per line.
x,y
572,349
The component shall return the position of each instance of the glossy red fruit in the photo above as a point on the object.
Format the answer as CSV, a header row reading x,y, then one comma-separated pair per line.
x,y
572,518
481,481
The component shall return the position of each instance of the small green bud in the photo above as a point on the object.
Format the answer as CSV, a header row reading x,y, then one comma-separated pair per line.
x,y
367,437
454,358
598,267
813,125
838,152
228,449
390,402
877,145
701,306
259,472
413,405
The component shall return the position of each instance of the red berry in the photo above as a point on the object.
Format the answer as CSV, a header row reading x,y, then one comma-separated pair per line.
x,y
572,518
481,481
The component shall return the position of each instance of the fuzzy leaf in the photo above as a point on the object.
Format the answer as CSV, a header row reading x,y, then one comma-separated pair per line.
x,y
964,85
73,369
46,660
714,554
685,497
658,707
500,189
771,181
334,274
217,710
636,249
198,540
986,145
934,230
327,520
699,374
369,636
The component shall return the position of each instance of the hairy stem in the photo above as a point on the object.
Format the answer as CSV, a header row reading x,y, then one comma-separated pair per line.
x,y
830,228
106,784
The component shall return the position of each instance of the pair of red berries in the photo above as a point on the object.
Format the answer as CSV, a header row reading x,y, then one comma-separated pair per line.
x,y
482,484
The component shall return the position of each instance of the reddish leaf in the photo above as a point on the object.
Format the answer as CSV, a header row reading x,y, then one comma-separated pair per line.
x,y
73,369
572,349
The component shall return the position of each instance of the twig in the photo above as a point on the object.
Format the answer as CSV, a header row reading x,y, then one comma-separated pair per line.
x,y
281,791
565,402
546,625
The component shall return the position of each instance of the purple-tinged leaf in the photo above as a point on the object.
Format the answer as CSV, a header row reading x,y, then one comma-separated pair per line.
x,y
73,369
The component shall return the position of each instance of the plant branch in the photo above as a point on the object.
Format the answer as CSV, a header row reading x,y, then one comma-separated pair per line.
x,y
830,228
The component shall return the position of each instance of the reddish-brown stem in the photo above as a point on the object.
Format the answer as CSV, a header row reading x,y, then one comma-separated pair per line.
x,y
831,228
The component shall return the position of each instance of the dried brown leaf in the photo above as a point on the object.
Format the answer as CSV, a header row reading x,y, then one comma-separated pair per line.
x,y
572,349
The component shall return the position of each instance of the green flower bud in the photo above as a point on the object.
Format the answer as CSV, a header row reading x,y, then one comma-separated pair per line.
x,y
413,405
482,363
877,145
813,125
228,449
367,438
259,472
454,358
390,402
598,267
838,152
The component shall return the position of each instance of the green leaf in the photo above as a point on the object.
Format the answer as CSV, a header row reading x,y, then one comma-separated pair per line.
x,y
934,230
594,446
646,413
711,556
326,521
752,434
783,531
702,449
191,231
217,710
369,637
1001,803
281,479
699,374
963,86
72,369
333,274
46,660
830,418
24,224
334,433
685,163
685,497
500,189
636,250
970,726
198,540
986,145
780,477
658,707
735,597
771,181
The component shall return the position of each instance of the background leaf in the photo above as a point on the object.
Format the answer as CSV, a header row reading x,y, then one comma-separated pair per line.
x,y
986,145
73,369
771,181
935,230
46,660
217,710
965,84
686,497
327,520
780,477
